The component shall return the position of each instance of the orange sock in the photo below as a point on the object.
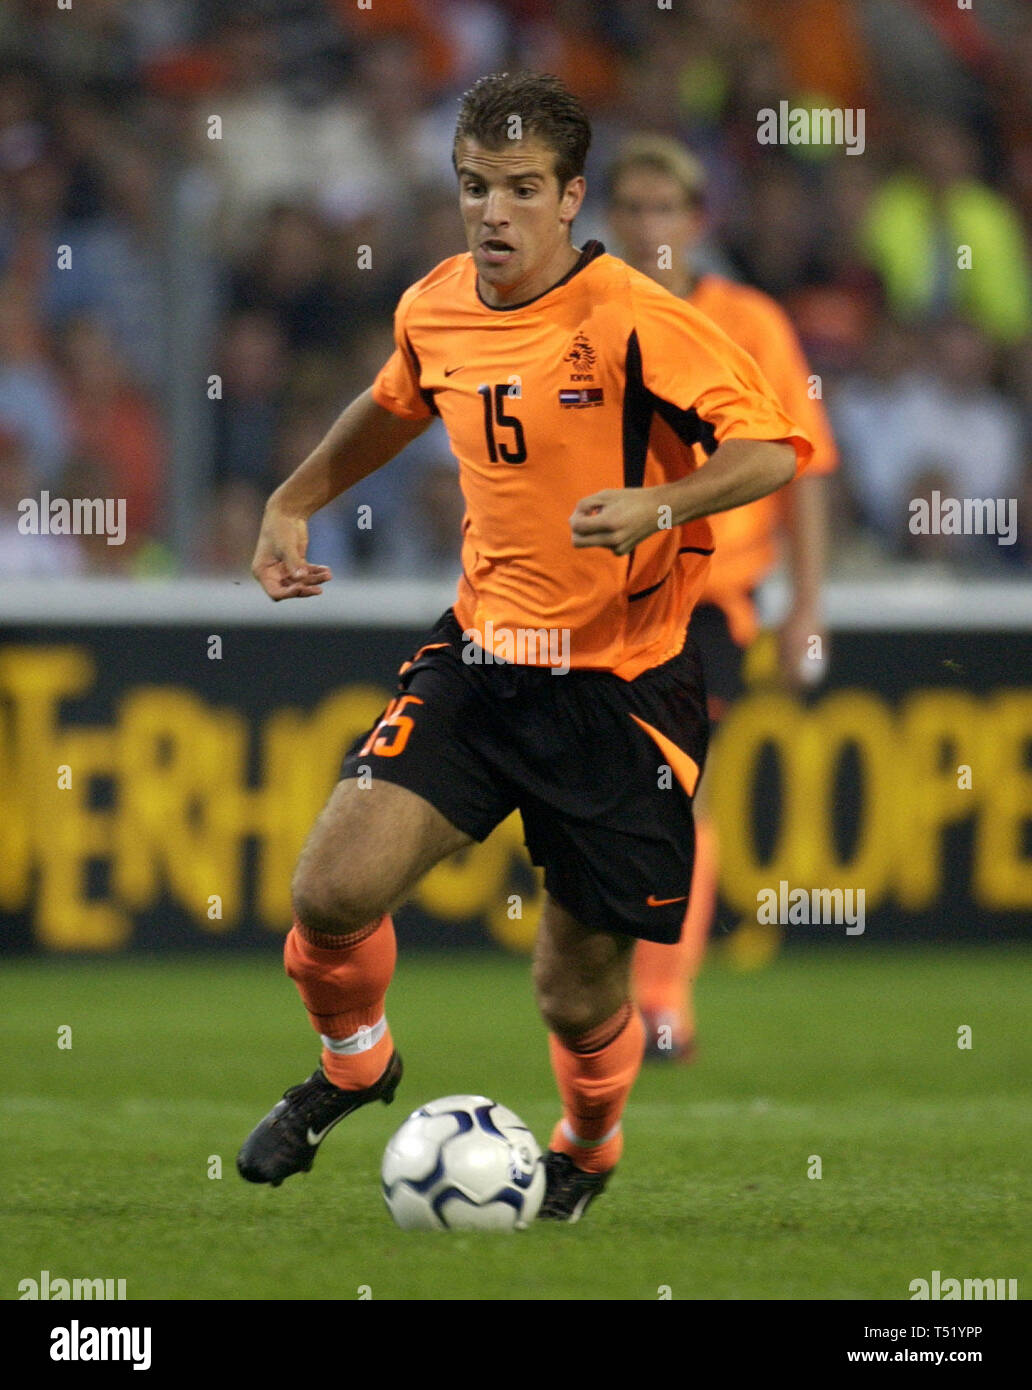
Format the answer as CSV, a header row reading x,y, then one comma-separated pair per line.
x,y
664,976
343,985
595,1073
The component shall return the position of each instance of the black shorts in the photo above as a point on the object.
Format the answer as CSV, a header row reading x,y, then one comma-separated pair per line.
x,y
606,804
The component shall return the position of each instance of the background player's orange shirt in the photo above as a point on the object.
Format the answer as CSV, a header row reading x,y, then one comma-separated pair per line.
x,y
746,538
603,381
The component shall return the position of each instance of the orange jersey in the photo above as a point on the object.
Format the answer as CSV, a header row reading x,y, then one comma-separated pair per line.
x,y
604,381
746,538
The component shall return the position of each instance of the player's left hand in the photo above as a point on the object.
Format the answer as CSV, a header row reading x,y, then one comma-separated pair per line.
x,y
802,649
617,518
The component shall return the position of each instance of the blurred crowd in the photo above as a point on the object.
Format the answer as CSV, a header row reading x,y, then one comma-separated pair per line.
x,y
258,182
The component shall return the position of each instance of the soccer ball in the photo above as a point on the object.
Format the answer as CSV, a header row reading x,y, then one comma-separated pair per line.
x,y
463,1163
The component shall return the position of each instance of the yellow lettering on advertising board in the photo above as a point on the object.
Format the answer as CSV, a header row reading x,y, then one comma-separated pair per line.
x,y
184,805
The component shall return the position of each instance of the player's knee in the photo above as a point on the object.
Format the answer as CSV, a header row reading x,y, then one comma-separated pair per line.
x,y
568,1010
569,1017
335,905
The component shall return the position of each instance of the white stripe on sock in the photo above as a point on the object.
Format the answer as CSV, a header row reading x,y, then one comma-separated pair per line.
x,y
588,1143
361,1041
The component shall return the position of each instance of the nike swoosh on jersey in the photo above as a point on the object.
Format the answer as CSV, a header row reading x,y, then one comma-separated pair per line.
x,y
450,371
662,902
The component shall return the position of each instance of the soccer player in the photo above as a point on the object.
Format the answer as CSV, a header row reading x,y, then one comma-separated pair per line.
x,y
562,681
656,204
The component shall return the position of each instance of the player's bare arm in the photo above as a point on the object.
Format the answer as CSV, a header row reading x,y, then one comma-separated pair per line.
x,y
806,504
740,471
361,440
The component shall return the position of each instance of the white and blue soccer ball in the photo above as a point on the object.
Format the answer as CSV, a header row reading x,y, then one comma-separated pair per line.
x,y
463,1163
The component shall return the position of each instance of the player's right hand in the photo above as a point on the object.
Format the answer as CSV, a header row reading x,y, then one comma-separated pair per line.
x,y
279,563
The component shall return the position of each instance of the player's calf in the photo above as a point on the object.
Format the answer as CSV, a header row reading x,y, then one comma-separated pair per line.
x,y
343,983
365,851
596,1044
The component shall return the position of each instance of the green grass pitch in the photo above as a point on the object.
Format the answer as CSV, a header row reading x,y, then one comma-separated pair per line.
x,y
850,1054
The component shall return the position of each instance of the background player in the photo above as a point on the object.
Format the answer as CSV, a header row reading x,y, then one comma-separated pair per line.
x,y
586,517
656,204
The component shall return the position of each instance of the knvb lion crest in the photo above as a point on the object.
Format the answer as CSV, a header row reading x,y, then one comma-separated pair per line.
x,y
581,357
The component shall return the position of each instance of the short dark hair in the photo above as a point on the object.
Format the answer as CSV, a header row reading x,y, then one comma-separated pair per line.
x,y
663,156
546,108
